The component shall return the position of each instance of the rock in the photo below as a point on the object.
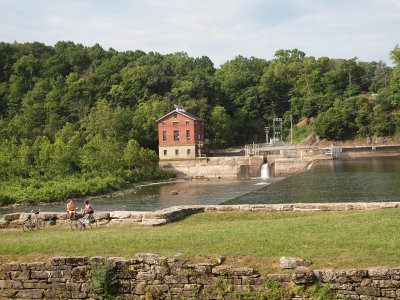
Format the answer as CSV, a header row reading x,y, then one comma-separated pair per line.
x,y
11,217
293,262
303,275
220,259
120,214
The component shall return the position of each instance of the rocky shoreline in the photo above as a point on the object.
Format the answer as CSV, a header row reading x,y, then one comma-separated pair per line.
x,y
172,214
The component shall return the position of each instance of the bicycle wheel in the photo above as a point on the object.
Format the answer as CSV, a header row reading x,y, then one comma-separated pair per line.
x,y
75,225
40,224
26,225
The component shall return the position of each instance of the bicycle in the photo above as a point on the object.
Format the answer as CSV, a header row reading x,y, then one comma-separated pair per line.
x,y
83,221
32,223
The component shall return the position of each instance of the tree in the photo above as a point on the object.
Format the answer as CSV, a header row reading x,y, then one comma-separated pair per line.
x,y
219,128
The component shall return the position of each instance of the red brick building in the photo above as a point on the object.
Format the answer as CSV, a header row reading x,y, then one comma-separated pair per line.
x,y
180,135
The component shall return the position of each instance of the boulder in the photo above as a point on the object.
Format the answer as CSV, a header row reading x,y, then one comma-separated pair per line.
x,y
293,262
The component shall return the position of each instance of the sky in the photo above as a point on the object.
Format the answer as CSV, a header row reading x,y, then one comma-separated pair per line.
x,y
219,29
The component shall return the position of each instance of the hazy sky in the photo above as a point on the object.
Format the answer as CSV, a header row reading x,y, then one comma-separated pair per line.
x,y
219,29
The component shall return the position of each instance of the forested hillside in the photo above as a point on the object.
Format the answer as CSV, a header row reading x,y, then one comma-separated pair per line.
x,y
78,120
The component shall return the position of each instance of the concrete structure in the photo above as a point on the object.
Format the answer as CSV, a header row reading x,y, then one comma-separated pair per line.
x,y
180,135
216,167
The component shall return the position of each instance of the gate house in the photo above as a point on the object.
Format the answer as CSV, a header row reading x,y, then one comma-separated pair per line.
x,y
180,135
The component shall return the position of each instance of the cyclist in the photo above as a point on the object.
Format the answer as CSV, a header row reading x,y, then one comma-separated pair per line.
x,y
88,208
71,209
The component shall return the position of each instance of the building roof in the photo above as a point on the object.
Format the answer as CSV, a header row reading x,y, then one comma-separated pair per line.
x,y
180,110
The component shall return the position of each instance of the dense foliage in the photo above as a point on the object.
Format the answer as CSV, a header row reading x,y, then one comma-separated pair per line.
x,y
78,120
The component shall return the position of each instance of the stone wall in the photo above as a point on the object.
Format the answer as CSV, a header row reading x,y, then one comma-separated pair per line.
x,y
215,167
171,214
148,276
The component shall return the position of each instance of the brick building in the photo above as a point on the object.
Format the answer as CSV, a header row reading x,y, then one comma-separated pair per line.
x,y
180,135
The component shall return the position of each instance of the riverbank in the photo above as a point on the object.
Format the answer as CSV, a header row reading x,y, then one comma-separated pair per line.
x,y
173,214
122,192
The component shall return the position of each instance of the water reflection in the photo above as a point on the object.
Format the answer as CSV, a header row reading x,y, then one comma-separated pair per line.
x,y
357,180
155,197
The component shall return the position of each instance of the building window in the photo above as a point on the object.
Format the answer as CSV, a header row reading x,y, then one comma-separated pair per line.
x,y
164,123
188,135
176,135
176,152
195,122
175,116
164,135
175,123
188,151
165,152
187,122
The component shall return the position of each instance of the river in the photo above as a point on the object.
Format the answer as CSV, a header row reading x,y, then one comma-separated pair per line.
x,y
356,180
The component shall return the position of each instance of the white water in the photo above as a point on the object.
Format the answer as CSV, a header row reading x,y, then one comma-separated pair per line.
x,y
264,171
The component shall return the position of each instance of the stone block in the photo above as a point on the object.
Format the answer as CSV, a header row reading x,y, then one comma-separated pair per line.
x,y
58,260
378,273
389,293
148,258
11,266
385,283
356,275
145,276
242,272
35,284
38,266
342,277
8,293
21,275
368,291
76,261
40,274
102,215
341,286
223,270
157,289
139,288
325,275
293,262
303,275
10,284
11,217
395,273
78,295
80,273
30,294
73,286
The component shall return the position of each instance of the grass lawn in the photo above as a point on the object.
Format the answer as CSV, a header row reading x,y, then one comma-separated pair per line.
x,y
330,239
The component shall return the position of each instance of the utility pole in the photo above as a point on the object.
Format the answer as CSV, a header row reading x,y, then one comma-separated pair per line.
x,y
266,128
291,129
273,141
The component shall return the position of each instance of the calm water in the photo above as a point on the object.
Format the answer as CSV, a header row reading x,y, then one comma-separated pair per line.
x,y
356,180
372,179
155,197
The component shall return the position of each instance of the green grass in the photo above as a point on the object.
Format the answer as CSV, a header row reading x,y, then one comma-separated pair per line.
x,y
329,239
